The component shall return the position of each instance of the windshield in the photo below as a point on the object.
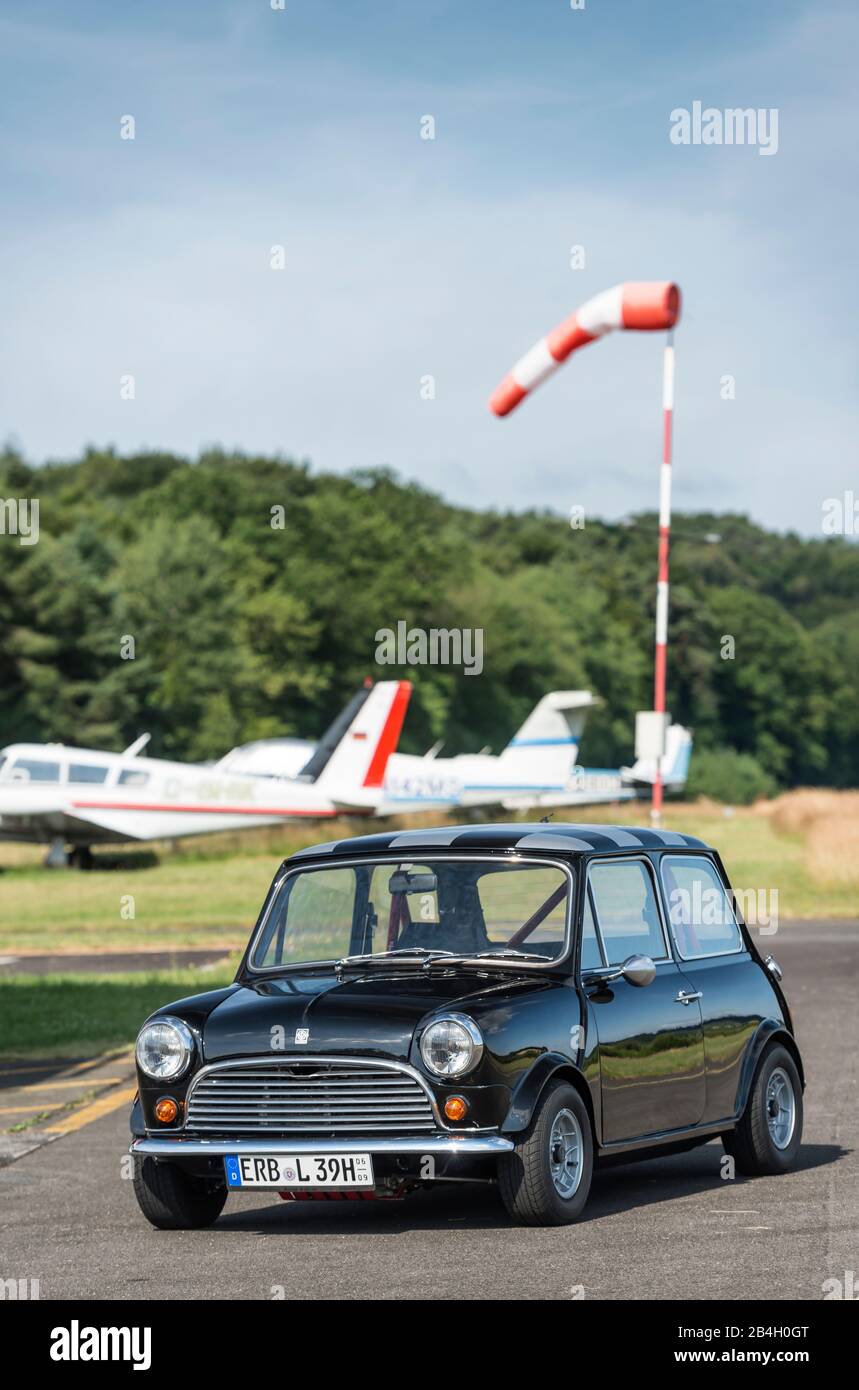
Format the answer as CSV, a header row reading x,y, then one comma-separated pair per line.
x,y
460,907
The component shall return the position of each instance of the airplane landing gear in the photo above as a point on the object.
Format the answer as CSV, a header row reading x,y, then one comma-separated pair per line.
x,y
58,857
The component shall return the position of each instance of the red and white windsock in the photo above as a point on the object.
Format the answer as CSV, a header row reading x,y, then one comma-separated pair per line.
x,y
647,305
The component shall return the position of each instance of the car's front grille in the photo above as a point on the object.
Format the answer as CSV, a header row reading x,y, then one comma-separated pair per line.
x,y
308,1096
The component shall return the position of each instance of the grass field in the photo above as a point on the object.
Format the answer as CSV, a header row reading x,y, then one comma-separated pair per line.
x,y
67,1015
208,893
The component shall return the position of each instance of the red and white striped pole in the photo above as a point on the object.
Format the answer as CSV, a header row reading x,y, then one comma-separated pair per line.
x,y
661,661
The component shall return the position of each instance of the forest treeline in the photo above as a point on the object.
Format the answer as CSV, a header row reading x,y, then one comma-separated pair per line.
x,y
253,590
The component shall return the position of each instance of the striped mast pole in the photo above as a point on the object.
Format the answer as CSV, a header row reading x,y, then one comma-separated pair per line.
x,y
661,656
644,305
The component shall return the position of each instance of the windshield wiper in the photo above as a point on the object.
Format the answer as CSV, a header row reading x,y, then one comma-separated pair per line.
x,y
502,954
421,953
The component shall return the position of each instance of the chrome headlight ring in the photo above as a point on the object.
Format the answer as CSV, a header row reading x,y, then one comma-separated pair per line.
x,y
451,1045
165,1047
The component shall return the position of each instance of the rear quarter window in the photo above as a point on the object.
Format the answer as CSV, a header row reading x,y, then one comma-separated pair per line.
x,y
700,913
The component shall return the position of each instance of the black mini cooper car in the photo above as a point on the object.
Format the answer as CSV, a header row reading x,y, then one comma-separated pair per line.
x,y
508,1002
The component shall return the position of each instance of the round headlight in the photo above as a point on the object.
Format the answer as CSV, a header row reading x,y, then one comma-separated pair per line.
x,y
452,1045
164,1048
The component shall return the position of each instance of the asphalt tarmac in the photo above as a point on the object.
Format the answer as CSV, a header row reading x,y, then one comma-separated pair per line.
x,y
664,1229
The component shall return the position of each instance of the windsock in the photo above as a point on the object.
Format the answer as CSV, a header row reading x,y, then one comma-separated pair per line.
x,y
649,305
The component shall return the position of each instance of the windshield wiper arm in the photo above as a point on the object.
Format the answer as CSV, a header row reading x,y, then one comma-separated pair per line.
x,y
506,954
416,952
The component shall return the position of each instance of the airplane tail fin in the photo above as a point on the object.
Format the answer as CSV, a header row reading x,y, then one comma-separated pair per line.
x,y
543,752
674,763
352,755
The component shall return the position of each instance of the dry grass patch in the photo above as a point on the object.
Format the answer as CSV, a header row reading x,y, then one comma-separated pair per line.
x,y
832,851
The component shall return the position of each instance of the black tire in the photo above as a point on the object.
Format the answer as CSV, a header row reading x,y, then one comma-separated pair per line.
x,y
525,1176
751,1144
174,1200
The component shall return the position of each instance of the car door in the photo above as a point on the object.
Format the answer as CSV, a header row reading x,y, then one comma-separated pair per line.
x,y
651,1045
735,993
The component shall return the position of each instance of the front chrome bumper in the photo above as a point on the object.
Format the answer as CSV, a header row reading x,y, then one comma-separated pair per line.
x,y
451,1145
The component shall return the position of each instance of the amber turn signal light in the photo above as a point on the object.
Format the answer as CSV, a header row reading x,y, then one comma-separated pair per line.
x,y
166,1111
455,1108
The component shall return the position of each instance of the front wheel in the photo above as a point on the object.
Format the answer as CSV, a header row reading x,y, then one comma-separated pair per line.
x,y
174,1200
768,1136
546,1179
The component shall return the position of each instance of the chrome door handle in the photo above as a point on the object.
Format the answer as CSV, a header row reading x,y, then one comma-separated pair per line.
x,y
687,995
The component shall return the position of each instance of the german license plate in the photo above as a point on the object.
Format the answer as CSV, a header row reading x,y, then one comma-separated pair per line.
x,y
299,1170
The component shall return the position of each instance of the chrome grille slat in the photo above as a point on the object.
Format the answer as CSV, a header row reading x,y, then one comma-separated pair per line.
x,y
309,1096
304,1112
248,1089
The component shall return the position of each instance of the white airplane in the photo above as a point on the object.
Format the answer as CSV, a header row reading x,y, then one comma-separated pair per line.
x,y
537,768
58,795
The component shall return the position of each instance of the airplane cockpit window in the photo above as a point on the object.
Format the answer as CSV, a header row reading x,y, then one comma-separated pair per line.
x,y
34,770
131,777
87,772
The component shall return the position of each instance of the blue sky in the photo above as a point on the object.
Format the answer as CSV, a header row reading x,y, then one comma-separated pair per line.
x,y
407,258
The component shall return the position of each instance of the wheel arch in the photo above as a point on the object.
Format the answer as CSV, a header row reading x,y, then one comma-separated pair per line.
x,y
768,1033
552,1066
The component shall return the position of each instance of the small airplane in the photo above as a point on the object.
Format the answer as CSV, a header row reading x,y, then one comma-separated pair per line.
x,y
58,795
538,768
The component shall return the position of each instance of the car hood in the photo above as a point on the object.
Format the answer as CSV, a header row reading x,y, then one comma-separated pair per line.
x,y
375,1013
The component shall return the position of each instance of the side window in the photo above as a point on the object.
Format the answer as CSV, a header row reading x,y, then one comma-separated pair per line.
x,y
34,770
132,777
702,919
87,772
591,954
627,910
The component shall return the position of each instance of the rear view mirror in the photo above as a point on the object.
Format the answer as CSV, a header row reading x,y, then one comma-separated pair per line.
x,y
405,882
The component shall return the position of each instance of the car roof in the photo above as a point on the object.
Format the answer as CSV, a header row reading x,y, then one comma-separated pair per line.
x,y
523,837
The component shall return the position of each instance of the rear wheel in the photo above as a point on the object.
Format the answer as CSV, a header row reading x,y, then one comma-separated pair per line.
x,y
768,1136
545,1181
174,1200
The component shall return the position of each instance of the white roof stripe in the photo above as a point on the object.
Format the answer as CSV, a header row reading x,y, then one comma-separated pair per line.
x,y
550,841
409,838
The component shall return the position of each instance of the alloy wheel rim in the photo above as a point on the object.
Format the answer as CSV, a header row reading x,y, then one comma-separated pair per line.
x,y
566,1153
781,1108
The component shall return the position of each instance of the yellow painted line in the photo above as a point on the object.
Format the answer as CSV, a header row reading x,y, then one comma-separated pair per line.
x,y
22,1066
99,1061
23,1109
15,1068
81,1085
94,1111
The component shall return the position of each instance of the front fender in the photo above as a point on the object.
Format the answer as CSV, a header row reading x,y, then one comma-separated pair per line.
x,y
530,1087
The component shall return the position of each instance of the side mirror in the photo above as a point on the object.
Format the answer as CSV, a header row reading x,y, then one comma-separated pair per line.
x,y
636,970
639,970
